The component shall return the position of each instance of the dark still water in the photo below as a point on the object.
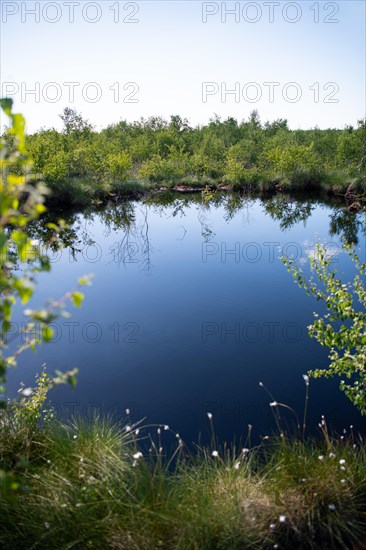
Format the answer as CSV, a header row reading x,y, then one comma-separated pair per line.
x,y
189,310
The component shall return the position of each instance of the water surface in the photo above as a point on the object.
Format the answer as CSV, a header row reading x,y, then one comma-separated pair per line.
x,y
190,309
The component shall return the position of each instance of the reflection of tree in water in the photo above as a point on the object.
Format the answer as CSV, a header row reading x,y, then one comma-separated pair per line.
x,y
206,224
235,203
71,235
134,245
288,211
347,225
118,215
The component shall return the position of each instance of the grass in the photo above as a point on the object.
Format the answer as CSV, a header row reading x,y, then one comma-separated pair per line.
x,y
97,485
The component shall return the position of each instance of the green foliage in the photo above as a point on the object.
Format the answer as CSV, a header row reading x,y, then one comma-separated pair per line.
x,y
20,205
343,328
154,151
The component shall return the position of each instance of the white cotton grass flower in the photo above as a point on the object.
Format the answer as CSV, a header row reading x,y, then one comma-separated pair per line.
x,y
209,415
128,428
128,411
166,427
159,431
321,457
343,481
331,507
236,465
261,384
137,431
215,454
47,525
272,526
75,437
273,404
282,519
332,455
245,451
306,379
26,392
137,455
342,461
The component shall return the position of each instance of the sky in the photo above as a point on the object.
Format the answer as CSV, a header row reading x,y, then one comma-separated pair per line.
x,y
113,60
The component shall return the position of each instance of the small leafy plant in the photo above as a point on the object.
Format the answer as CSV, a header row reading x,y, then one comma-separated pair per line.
x,y
343,328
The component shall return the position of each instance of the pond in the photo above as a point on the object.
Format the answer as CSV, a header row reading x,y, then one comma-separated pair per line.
x,y
190,309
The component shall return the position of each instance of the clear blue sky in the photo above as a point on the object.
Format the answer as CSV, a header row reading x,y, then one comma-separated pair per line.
x,y
169,52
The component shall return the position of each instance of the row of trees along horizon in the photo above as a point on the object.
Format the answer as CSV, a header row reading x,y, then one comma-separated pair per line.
x,y
260,156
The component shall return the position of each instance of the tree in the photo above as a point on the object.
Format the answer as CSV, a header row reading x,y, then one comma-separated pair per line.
x,y
74,122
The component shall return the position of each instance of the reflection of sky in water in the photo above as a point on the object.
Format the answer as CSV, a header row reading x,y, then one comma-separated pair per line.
x,y
190,308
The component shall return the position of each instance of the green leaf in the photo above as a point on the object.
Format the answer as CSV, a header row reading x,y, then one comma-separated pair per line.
x,y
77,298
47,334
6,105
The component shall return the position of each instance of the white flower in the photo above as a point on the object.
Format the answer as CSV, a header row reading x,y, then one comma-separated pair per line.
x,y
343,481
245,451
128,411
166,427
209,416
306,379
342,461
331,507
236,465
321,457
137,431
47,525
282,519
75,436
273,404
215,453
272,526
26,392
159,431
137,455
332,455
261,384
128,428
